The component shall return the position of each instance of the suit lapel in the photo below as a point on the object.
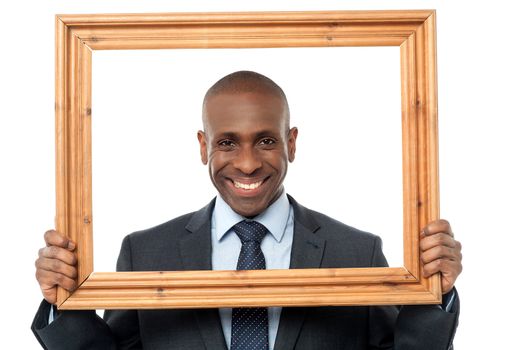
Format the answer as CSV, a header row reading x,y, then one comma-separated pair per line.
x,y
307,252
196,254
196,247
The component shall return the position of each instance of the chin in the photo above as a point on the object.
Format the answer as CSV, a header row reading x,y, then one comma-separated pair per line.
x,y
246,208
248,212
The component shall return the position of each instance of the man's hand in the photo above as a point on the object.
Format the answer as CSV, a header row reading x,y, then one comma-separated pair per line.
x,y
56,265
440,252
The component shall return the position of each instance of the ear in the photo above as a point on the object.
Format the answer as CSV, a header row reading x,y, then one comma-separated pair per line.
x,y
291,143
201,137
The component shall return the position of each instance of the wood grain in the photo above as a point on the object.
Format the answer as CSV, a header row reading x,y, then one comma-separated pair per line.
x,y
413,31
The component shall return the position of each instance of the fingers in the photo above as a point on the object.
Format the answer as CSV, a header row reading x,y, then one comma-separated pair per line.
x,y
450,270
50,295
440,252
446,266
53,238
56,265
438,239
61,254
437,242
437,226
49,280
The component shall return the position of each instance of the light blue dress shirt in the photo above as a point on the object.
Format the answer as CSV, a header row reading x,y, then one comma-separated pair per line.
x,y
276,246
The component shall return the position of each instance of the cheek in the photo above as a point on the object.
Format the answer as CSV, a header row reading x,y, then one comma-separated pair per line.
x,y
217,161
279,163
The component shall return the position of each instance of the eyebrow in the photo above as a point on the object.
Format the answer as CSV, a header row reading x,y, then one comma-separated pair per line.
x,y
265,133
230,135
233,135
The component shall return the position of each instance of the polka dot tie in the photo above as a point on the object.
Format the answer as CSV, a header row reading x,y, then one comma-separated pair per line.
x,y
250,325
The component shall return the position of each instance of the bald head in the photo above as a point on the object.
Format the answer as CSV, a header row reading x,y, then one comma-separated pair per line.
x,y
241,82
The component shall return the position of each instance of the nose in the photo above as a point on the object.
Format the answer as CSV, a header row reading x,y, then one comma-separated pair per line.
x,y
247,160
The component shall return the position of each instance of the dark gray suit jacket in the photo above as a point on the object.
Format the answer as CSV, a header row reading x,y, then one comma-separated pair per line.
x,y
184,244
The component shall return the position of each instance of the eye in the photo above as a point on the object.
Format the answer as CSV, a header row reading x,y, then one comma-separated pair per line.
x,y
226,144
267,142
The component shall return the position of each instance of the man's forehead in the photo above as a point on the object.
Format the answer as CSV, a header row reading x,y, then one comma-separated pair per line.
x,y
249,105
244,97
249,125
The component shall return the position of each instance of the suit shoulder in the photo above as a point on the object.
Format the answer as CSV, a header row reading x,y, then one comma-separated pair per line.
x,y
328,227
173,226
173,229
347,246
337,229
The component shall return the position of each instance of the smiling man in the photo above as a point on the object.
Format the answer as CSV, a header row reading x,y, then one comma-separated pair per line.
x,y
247,144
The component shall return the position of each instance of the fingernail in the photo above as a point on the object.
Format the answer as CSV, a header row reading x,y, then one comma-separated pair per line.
x,y
71,245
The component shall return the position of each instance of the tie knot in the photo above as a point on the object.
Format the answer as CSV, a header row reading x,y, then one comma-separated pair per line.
x,y
250,231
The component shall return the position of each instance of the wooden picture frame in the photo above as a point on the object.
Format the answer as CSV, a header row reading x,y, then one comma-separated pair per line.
x,y
412,31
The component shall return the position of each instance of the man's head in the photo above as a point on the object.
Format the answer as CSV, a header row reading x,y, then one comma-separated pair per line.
x,y
246,140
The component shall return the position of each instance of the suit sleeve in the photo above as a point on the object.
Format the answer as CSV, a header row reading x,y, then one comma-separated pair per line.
x,y
71,330
124,323
85,329
382,319
426,324
411,327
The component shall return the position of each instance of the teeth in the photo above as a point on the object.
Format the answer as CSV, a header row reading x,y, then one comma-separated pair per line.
x,y
251,186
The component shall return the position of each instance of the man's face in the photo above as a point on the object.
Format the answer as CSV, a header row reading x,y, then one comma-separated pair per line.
x,y
247,146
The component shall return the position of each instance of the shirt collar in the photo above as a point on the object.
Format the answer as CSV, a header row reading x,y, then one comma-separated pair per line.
x,y
274,218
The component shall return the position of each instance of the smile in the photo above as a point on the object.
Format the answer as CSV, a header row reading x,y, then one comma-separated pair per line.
x,y
251,186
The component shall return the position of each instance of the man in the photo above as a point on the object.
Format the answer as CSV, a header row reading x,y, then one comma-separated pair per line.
x,y
247,143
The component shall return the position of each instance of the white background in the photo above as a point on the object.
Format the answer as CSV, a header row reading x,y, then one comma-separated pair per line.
x,y
146,111
481,111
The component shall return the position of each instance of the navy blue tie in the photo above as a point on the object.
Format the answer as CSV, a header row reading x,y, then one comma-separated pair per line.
x,y
250,325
